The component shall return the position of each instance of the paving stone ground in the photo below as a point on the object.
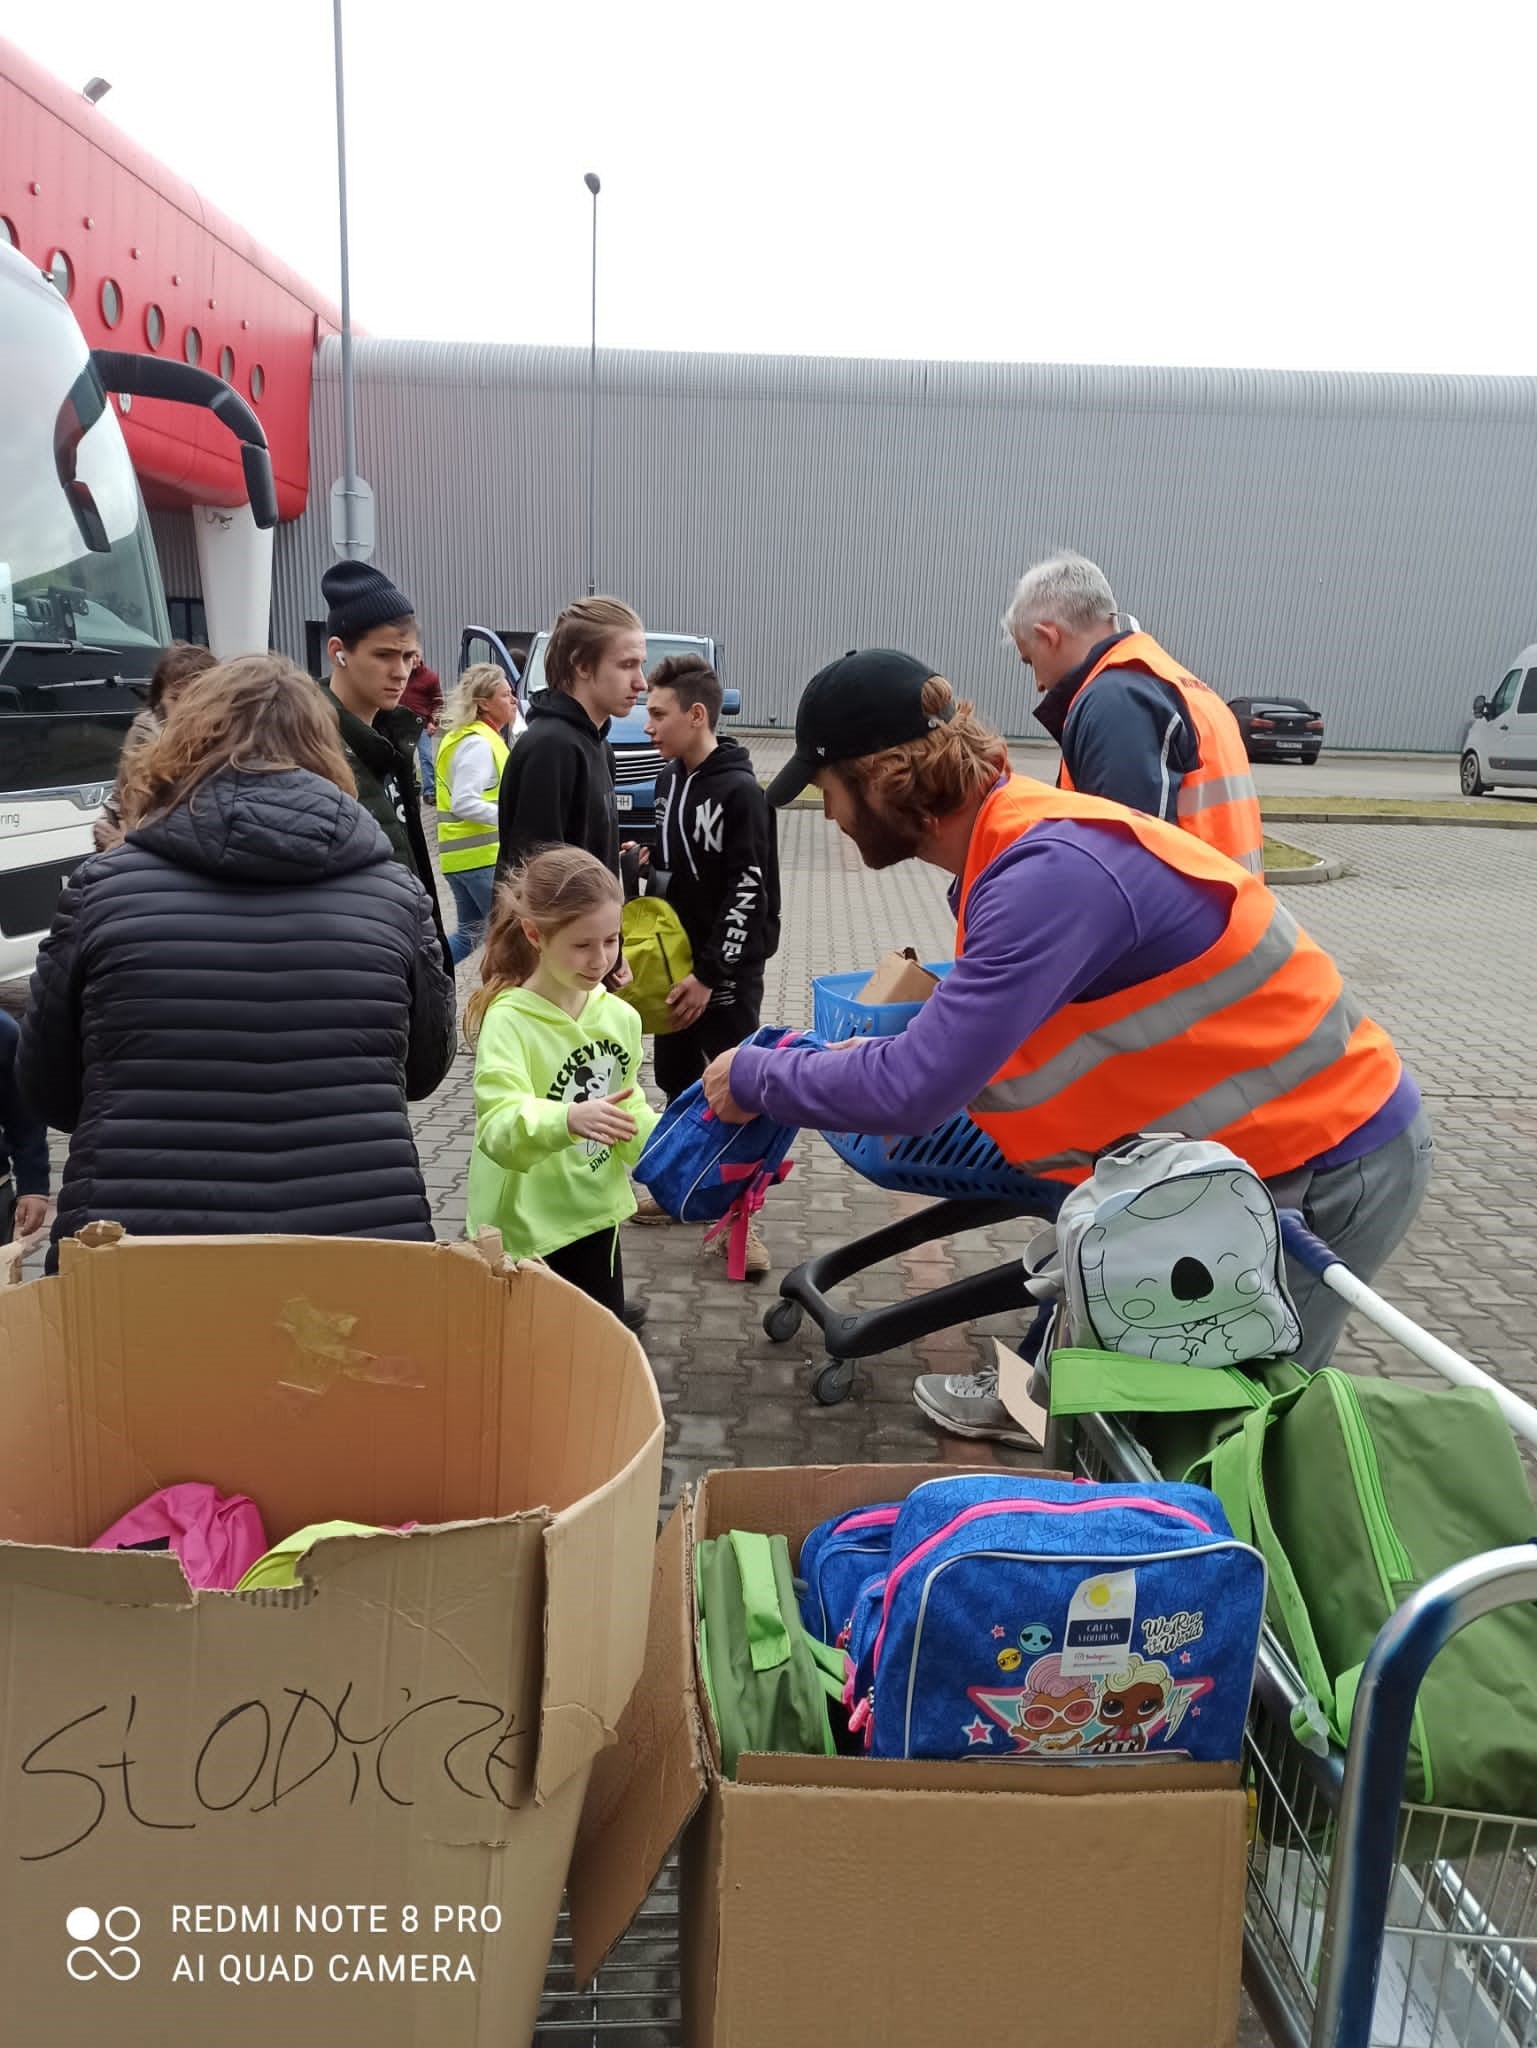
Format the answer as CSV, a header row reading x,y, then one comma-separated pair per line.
x,y
1427,928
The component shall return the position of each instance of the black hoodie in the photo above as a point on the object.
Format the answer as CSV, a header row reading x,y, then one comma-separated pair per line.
x,y
558,786
716,842
229,1015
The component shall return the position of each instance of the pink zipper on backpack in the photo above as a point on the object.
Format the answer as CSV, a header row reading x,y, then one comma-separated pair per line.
x,y
872,1518
1022,1507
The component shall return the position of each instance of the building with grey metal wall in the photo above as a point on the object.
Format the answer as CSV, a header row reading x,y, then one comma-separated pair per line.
x,y
1366,541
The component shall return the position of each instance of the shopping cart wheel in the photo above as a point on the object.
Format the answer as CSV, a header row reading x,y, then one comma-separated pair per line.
x,y
834,1383
781,1320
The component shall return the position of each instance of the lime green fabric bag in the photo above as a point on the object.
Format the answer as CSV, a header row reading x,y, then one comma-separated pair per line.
x,y
1358,1490
657,949
768,1682
1178,1413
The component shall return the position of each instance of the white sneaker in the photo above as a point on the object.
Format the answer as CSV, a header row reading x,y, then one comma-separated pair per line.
x,y
758,1260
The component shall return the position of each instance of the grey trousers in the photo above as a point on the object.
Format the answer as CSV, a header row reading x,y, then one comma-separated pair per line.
x,y
1360,1211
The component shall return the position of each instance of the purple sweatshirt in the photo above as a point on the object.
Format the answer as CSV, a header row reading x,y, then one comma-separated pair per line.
x,y
1071,912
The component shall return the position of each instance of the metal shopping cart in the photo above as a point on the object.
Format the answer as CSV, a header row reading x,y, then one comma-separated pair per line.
x,y
971,1186
1369,1923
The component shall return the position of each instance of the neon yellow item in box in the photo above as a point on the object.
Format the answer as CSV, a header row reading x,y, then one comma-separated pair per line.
x,y
280,1566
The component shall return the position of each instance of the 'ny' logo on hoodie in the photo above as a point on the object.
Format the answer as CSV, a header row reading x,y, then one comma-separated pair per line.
x,y
710,825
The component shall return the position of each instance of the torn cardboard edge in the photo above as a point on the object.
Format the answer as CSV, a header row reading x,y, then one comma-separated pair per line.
x,y
561,1486
1014,1377
646,1789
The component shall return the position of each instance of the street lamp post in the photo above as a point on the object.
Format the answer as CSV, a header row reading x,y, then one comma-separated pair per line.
x,y
345,535
594,186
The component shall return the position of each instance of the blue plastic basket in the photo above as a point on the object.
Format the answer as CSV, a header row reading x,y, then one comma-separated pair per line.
x,y
957,1162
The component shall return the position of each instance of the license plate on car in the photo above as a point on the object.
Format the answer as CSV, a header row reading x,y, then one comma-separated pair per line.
x,y
1288,743
624,803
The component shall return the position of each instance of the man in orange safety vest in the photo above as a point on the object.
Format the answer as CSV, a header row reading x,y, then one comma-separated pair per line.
x,y
1133,724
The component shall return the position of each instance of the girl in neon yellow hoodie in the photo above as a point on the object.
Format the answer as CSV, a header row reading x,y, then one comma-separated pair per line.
x,y
559,1116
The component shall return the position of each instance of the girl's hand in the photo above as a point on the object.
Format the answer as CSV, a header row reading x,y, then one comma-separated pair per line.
x,y
604,1123
618,976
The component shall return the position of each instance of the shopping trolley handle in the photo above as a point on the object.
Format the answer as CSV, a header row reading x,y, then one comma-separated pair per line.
x,y
1300,1244
1366,1842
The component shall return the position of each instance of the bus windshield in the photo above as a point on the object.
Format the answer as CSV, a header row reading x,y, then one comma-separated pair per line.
x,y
77,564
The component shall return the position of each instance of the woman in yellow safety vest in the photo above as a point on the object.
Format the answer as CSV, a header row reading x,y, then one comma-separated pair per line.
x,y
471,757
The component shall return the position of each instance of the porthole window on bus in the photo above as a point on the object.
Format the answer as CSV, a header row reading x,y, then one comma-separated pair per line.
x,y
7,232
111,302
62,273
227,364
154,326
192,345
258,380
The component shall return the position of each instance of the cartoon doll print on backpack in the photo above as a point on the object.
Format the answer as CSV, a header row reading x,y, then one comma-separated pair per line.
x,y
1170,1250
1056,1621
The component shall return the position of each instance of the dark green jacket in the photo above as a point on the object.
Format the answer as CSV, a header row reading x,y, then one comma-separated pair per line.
x,y
382,758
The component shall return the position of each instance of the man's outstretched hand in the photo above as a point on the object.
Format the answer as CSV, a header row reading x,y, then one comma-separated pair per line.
x,y
717,1091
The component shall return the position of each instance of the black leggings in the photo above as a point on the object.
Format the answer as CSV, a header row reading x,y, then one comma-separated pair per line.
x,y
679,1058
593,1264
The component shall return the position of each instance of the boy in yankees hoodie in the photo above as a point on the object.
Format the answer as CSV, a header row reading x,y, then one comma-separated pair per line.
x,y
716,843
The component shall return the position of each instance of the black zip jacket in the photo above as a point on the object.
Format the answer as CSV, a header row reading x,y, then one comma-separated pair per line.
x,y
558,786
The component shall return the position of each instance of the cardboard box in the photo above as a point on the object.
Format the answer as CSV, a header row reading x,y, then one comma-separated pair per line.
x,y
340,1813
900,978
913,1905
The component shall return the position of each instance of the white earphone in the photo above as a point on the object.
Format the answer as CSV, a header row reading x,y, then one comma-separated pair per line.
x,y
341,661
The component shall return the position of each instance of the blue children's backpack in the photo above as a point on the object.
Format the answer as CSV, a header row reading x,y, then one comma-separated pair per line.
x,y
702,1171
837,1558
1059,1622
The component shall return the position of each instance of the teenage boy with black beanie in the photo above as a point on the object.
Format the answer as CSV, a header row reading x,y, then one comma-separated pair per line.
x,y
372,645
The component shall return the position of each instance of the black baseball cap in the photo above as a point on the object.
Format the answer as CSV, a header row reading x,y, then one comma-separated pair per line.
x,y
864,702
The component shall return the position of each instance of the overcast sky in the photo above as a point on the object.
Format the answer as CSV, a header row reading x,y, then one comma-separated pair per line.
x,y
1308,186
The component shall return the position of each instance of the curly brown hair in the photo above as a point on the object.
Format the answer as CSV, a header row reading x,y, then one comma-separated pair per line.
x,y
257,713
932,777
181,663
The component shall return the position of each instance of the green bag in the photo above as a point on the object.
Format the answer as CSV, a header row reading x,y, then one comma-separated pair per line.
x,y
1178,1413
657,949
1356,1491
768,1682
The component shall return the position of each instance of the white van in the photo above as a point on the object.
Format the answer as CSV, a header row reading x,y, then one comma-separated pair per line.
x,y
1500,744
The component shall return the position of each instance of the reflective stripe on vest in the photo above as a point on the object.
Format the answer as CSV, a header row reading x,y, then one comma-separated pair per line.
x,y
465,843
1254,1043
1217,800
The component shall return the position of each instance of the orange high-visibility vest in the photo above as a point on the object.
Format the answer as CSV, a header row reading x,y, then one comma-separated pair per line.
x,y
1217,800
1254,1043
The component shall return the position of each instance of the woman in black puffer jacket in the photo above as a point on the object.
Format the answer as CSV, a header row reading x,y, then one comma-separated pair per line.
x,y
234,1006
